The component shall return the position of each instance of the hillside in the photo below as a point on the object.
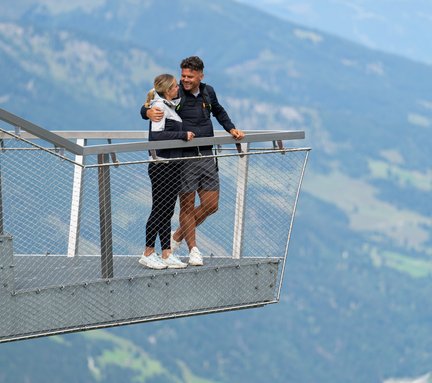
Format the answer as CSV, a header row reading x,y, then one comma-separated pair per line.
x,y
358,274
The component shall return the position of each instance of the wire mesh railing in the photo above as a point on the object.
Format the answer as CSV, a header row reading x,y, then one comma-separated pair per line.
x,y
38,204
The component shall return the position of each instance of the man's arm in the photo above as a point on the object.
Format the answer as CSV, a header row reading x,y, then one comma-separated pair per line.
x,y
155,114
222,116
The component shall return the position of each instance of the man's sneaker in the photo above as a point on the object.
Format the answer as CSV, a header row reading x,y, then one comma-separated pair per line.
x,y
195,257
174,244
152,262
174,262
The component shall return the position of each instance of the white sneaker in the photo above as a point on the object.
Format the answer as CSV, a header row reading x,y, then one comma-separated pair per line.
x,y
152,262
195,257
174,244
173,262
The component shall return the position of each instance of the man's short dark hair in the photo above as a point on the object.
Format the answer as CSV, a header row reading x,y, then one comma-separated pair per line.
x,y
193,63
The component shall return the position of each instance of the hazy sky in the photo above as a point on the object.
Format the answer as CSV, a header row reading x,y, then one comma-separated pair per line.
x,y
397,26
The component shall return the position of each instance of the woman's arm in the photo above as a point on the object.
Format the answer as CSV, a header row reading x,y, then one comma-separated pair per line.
x,y
166,129
170,135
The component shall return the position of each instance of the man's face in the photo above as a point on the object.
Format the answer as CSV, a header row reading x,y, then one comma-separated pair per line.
x,y
191,79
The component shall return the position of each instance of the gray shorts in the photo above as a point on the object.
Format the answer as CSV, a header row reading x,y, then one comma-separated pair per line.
x,y
199,174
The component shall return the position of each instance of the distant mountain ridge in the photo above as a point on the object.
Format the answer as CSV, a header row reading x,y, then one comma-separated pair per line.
x,y
399,27
358,273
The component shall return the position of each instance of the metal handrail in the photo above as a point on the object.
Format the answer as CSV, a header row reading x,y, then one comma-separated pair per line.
x,y
115,134
201,141
59,140
36,130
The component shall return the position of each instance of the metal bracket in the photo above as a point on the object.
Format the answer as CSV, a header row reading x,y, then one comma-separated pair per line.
x,y
239,150
278,144
113,155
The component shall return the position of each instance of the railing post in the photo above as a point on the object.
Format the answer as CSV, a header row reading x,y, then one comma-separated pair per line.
x,y
242,175
7,273
1,205
107,266
1,194
74,228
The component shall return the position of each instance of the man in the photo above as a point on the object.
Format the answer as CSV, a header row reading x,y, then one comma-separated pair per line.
x,y
200,176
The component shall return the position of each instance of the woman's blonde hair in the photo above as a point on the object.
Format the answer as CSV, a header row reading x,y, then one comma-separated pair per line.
x,y
162,84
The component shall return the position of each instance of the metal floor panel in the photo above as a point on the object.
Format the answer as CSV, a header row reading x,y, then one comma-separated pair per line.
x,y
51,308
39,271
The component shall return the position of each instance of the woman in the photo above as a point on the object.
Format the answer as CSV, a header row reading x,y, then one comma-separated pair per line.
x,y
164,175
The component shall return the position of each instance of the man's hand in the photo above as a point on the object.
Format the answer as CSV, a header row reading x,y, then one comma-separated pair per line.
x,y
237,133
190,136
155,114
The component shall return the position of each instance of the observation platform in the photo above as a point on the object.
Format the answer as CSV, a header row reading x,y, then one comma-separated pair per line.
x,y
73,210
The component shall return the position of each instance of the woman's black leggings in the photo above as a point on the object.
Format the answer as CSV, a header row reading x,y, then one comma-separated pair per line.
x,y
165,181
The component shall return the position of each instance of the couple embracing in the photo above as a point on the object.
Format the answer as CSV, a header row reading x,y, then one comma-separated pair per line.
x,y
182,111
